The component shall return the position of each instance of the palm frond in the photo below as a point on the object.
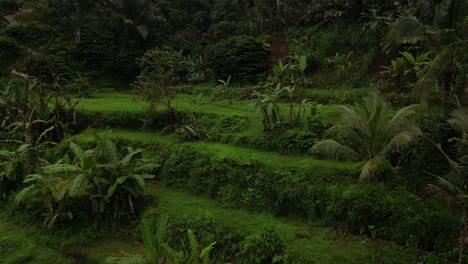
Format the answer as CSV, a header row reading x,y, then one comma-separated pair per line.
x,y
407,29
24,193
442,195
400,118
403,139
459,121
351,119
334,150
369,169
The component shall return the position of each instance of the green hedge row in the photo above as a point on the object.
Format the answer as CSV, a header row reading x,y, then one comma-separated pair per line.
x,y
219,128
325,195
232,245
261,244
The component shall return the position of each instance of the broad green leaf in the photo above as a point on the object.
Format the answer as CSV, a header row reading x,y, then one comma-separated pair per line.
x,y
177,256
121,180
23,148
193,244
61,168
110,192
148,241
23,193
75,185
33,177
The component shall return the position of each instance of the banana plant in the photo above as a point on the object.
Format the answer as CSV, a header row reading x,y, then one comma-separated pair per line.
x,y
154,248
342,64
300,65
396,70
280,72
223,88
16,164
99,173
268,105
417,63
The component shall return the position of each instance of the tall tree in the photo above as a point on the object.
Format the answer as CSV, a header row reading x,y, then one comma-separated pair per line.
x,y
135,17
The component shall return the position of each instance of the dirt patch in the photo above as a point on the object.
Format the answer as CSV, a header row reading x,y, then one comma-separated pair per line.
x,y
279,48
376,69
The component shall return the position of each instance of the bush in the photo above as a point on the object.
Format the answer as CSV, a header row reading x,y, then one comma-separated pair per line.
x,y
9,51
265,247
207,230
330,96
241,57
54,61
32,35
396,215
250,184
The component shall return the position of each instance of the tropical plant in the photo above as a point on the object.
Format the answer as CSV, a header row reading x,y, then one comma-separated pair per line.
x,y
191,129
16,164
223,88
101,173
155,248
426,23
452,188
371,130
27,115
443,76
268,105
280,72
199,69
300,65
342,64
396,70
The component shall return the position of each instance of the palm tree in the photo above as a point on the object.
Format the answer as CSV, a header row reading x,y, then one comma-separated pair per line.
x,y
426,24
372,130
452,189
437,26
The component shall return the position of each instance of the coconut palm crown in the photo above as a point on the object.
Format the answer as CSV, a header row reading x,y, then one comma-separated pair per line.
x,y
371,130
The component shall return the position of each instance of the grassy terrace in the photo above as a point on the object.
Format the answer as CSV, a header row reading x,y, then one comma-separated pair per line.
x,y
303,239
221,150
116,102
22,243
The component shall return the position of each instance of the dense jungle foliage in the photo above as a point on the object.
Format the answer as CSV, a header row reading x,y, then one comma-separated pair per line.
x,y
233,131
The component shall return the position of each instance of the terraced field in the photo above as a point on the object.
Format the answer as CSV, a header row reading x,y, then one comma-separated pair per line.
x,y
305,239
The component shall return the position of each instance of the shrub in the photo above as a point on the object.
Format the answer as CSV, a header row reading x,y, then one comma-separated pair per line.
x,y
395,215
9,51
241,57
263,248
207,230
238,183
32,35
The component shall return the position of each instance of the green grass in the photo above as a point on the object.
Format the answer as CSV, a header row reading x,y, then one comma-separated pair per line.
x,y
318,244
22,241
269,158
117,102
20,244
221,150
